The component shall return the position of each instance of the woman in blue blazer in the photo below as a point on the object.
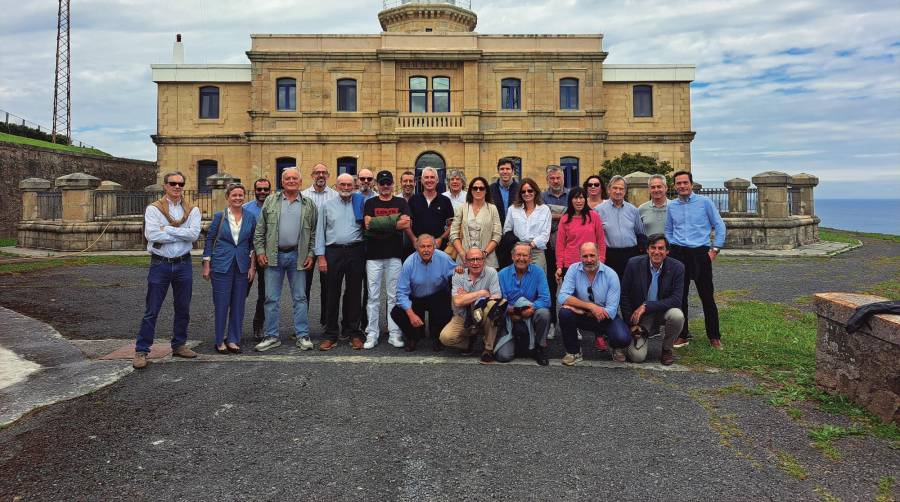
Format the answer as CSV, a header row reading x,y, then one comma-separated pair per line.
x,y
228,261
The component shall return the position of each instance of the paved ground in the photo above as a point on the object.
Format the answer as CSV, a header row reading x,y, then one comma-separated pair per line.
x,y
340,426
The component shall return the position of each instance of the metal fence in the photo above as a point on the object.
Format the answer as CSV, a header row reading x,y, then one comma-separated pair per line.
x,y
719,197
204,201
49,205
118,204
10,121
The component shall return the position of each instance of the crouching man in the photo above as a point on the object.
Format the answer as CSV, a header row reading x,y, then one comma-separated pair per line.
x,y
651,296
524,286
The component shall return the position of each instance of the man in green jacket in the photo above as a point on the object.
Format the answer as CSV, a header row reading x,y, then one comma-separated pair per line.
x,y
284,242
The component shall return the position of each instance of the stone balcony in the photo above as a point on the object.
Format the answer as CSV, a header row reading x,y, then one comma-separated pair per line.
x,y
423,122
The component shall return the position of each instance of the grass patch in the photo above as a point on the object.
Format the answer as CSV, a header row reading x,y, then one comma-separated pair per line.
x,y
824,436
10,138
835,235
36,265
888,289
789,464
6,242
885,491
825,495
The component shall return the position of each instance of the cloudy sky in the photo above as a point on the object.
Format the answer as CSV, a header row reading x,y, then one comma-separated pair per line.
x,y
790,85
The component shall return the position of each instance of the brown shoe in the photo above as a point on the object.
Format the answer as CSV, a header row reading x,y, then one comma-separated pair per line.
x,y
667,358
619,355
139,361
356,343
680,342
184,351
716,343
328,345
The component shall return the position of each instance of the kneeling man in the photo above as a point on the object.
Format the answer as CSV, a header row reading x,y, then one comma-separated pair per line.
x,y
476,305
651,295
524,286
589,300
423,286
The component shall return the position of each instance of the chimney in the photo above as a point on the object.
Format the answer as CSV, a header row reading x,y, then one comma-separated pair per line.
x,y
178,51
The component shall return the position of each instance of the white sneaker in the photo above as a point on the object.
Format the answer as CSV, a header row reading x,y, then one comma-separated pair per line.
x,y
579,333
371,342
304,343
571,359
551,334
269,343
396,341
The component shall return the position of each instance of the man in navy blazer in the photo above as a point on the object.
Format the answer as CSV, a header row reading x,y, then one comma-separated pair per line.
x,y
652,287
503,191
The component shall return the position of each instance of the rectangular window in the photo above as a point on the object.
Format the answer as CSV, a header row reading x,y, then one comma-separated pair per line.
x,y
205,169
346,92
440,94
418,94
570,170
568,94
209,102
287,94
643,101
510,94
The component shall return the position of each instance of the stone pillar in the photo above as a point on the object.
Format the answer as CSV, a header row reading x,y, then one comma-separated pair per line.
x,y
219,182
77,196
806,183
638,192
737,195
107,199
773,194
155,188
30,188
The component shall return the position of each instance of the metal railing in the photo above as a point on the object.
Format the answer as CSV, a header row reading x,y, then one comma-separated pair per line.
x,y
794,201
429,121
11,123
49,205
390,4
109,205
204,201
719,197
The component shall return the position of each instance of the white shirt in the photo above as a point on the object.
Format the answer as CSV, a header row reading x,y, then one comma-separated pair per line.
x,y
534,228
458,200
233,225
322,197
168,241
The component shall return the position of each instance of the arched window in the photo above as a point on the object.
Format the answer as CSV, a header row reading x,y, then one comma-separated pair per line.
x,y
643,100
346,165
209,102
568,94
440,94
286,94
418,94
431,159
205,169
346,95
511,94
282,163
570,171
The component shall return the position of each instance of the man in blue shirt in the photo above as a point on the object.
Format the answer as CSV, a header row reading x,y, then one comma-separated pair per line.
x,y
261,189
689,221
424,286
524,286
503,191
589,300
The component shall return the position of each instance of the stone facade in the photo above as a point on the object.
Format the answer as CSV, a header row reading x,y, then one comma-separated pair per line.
x,y
863,365
382,132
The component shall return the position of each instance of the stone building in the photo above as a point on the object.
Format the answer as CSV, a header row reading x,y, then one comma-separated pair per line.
x,y
428,90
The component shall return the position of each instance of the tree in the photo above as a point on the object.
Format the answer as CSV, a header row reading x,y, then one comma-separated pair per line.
x,y
629,163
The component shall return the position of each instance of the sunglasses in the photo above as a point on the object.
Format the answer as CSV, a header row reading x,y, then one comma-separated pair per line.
x,y
593,185
366,179
263,189
175,183
528,191
386,183
476,260
478,189
590,294
320,173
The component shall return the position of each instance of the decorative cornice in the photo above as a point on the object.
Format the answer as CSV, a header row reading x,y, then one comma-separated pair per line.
x,y
412,12
644,137
509,57
428,54
294,56
219,139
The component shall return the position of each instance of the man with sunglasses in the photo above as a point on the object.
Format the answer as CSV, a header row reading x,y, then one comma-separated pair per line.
x,y
651,297
366,179
320,193
589,300
261,189
171,227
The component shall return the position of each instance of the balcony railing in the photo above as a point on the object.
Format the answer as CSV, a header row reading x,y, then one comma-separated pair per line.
x,y
430,121
390,4
49,205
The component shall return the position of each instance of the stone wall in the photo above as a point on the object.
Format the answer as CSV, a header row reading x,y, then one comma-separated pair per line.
x,y
863,365
18,162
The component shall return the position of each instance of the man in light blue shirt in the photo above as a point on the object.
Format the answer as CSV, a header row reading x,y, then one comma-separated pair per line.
x,y
424,286
689,221
622,226
589,300
524,286
261,189
341,259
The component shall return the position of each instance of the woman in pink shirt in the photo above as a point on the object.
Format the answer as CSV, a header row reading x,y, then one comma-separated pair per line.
x,y
580,224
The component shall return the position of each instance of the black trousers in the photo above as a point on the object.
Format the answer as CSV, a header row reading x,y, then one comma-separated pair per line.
x,y
259,316
438,307
698,267
323,290
617,258
346,268
550,256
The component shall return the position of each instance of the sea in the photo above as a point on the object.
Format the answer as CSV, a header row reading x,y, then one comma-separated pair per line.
x,y
862,215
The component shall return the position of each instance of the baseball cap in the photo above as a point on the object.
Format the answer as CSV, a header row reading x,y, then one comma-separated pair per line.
x,y
384,177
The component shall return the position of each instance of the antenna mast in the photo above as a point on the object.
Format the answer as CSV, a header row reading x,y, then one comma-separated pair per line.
x,y
62,106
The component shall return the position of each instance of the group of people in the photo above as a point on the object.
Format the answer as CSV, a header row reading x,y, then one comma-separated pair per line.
x,y
503,261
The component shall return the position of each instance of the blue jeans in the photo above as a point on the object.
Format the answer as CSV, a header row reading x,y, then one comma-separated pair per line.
x,y
616,331
287,265
160,276
229,298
